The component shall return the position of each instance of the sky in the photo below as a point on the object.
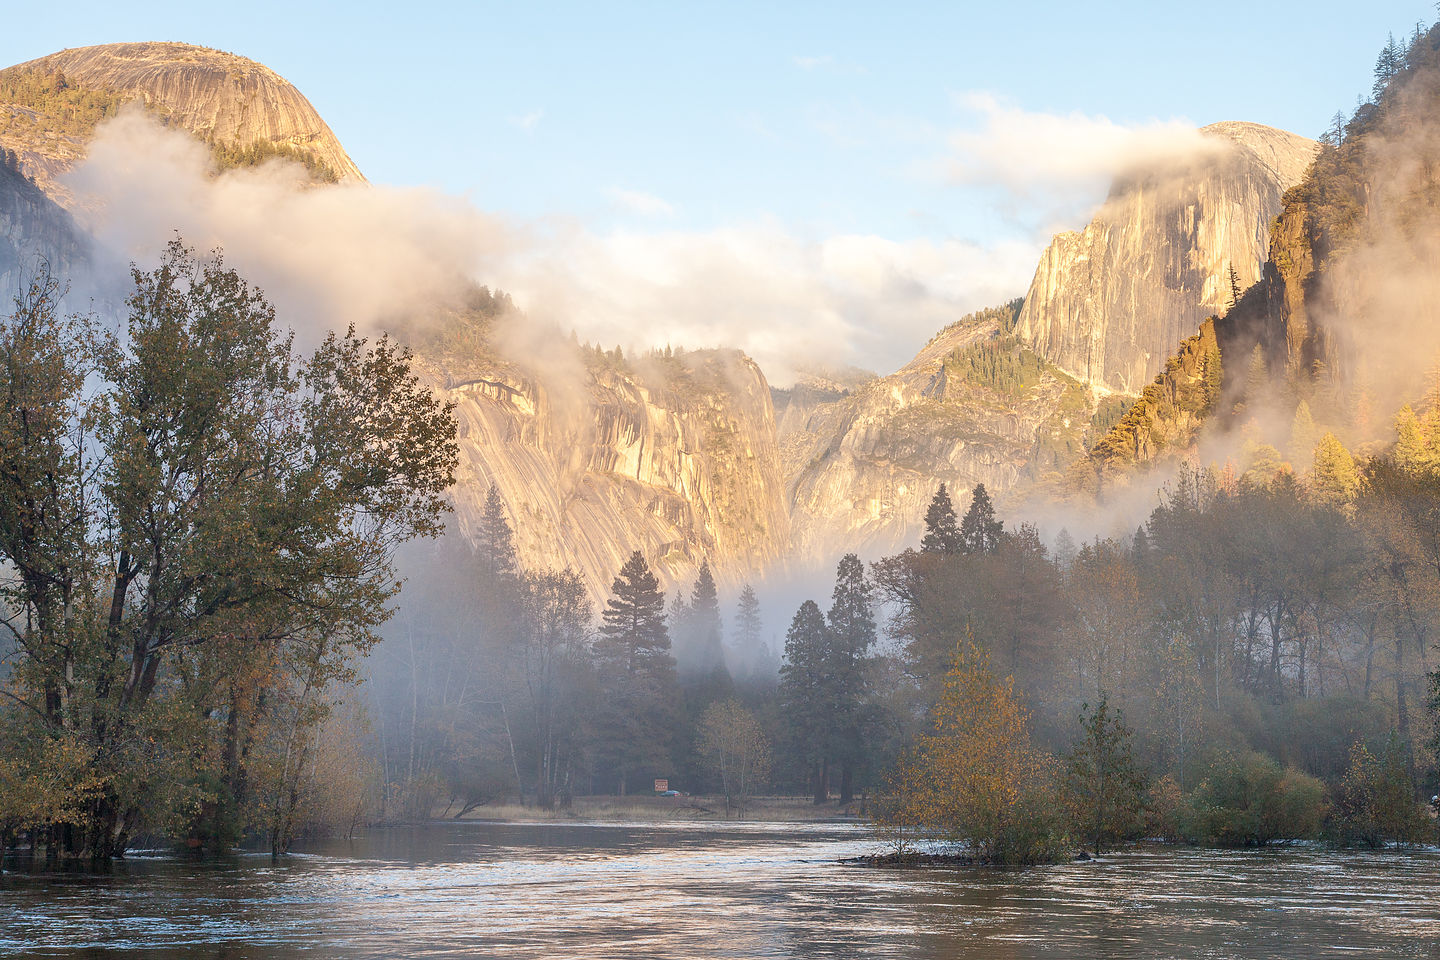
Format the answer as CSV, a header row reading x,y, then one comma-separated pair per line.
x,y
865,170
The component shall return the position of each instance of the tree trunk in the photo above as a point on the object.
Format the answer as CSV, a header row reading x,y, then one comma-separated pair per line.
x,y
822,782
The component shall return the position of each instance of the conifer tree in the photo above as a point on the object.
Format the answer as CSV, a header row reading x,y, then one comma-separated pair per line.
x,y
494,541
704,617
1335,478
805,694
637,673
748,644
852,633
1303,436
1410,447
980,532
942,532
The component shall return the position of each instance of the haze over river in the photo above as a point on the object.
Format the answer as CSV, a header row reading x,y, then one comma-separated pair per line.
x,y
718,890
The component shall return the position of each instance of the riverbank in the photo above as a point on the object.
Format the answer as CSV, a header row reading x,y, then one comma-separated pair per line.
x,y
608,808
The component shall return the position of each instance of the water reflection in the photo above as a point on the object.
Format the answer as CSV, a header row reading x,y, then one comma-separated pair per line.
x,y
692,890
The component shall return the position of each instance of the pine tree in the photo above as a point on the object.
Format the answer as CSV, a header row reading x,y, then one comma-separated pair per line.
x,y
1064,549
494,541
852,633
637,673
980,532
705,621
1335,478
1411,451
747,631
942,532
1234,280
1388,64
1303,436
805,694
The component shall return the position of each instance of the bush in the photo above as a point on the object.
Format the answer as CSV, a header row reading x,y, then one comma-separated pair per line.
x,y
1250,801
1375,801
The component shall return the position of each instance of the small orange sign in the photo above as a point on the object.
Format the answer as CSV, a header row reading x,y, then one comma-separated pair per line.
x,y
662,785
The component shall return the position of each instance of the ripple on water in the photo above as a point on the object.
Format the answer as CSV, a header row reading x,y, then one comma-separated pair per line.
x,y
751,890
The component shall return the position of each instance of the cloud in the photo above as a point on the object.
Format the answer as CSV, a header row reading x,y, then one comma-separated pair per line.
x,y
811,63
528,122
1064,162
371,254
639,203
787,301
325,257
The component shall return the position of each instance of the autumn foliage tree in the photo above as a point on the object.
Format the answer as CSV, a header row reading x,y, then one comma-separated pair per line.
x,y
197,525
977,777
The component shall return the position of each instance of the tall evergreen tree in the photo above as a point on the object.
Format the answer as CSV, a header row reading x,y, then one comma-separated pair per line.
x,y
637,674
747,643
494,540
705,624
980,532
805,695
942,531
852,633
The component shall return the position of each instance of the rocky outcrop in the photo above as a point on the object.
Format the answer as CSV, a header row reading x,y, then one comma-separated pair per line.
x,y
219,97
674,456
862,468
35,233
1108,304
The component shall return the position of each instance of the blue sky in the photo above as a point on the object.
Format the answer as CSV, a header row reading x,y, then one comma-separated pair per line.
x,y
811,121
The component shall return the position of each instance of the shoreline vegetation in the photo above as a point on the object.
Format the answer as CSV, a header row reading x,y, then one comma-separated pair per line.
x,y
711,809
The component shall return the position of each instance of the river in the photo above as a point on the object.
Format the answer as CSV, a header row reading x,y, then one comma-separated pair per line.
x,y
688,890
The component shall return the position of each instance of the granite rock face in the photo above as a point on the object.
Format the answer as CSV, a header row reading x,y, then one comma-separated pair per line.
x,y
1109,304
862,468
217,96
675,457
35,232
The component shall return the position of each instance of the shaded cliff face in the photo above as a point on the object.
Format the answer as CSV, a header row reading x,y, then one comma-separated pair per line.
x,y
33,230
974,406
595,457
221,98
1109,304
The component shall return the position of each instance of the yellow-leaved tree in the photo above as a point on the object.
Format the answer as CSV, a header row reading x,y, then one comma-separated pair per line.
x,y
976,778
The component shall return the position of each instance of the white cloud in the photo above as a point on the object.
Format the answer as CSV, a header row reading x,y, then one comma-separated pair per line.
x,y
811,63
787,301
639,203
528,122
367,254
325,257
1067,160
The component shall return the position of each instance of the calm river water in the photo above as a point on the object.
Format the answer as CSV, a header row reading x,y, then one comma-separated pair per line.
x,y
706,890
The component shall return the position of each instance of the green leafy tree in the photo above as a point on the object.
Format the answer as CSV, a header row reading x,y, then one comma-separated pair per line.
x,y
202,540
1103,785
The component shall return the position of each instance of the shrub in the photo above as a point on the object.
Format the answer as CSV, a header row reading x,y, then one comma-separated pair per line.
x,y
1375,801
1250,800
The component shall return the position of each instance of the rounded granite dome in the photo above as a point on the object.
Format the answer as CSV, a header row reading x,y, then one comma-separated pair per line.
x,y
218,96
